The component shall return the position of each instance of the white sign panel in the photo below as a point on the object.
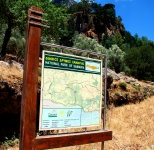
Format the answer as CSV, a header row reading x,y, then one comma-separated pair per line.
x,y
71,92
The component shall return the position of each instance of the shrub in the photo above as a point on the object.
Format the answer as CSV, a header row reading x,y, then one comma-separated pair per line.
x,y
137,87
16,44
117,93
10,142
123,85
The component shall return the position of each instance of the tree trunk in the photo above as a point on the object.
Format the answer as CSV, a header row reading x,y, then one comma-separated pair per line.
x,y
6,38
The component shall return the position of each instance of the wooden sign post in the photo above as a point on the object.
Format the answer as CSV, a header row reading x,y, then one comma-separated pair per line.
x,y
28,138
30,81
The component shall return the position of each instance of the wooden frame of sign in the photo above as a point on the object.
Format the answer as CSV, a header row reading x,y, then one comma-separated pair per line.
x,y
28,123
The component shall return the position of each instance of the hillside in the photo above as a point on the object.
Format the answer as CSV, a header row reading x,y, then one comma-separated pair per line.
x,y
122,90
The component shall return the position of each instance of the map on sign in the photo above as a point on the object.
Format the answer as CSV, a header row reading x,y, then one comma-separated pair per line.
x,y
71,92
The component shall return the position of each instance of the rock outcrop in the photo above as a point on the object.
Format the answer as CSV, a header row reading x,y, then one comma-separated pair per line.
x,y
124,89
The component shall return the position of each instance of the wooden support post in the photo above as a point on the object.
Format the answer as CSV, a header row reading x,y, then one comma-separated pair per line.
x,y
30,81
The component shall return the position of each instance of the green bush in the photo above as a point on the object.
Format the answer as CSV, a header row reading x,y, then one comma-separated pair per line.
x,y
117,93
123,85
114,53
10,142
16,44
137,87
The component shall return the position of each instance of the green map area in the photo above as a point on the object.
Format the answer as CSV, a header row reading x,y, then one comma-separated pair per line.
x,y
72,89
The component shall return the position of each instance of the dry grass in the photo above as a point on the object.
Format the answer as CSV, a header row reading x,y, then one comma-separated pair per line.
x,y
132,126
11,74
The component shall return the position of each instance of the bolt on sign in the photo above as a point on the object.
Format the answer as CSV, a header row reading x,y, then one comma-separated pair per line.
x,y
71,92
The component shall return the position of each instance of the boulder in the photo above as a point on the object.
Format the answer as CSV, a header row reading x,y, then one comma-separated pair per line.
x,y
128,80
16,65
5,64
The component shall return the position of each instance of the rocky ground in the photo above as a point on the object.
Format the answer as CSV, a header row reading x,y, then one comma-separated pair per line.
x,y
10,98
122,89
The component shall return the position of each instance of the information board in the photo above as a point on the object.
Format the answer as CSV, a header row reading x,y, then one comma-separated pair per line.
x,y
71,91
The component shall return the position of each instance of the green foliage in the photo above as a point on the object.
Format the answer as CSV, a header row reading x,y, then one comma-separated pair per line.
x,y
116,58
140,61
16,11
117,93
57,17
80,7
107,40
14,14
16,44
82,42
10,142
103,16
115,54
2,33
104,13
137,87
57,20
118,40
123,85
129,41
109,13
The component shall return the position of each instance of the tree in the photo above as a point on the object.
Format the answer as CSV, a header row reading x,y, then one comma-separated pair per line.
x,y
109,14
81,15
116,58
107,40
16,44
118,40
82,42
129,40
57,17
103,17
140,61
115,54
7,17
14,14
